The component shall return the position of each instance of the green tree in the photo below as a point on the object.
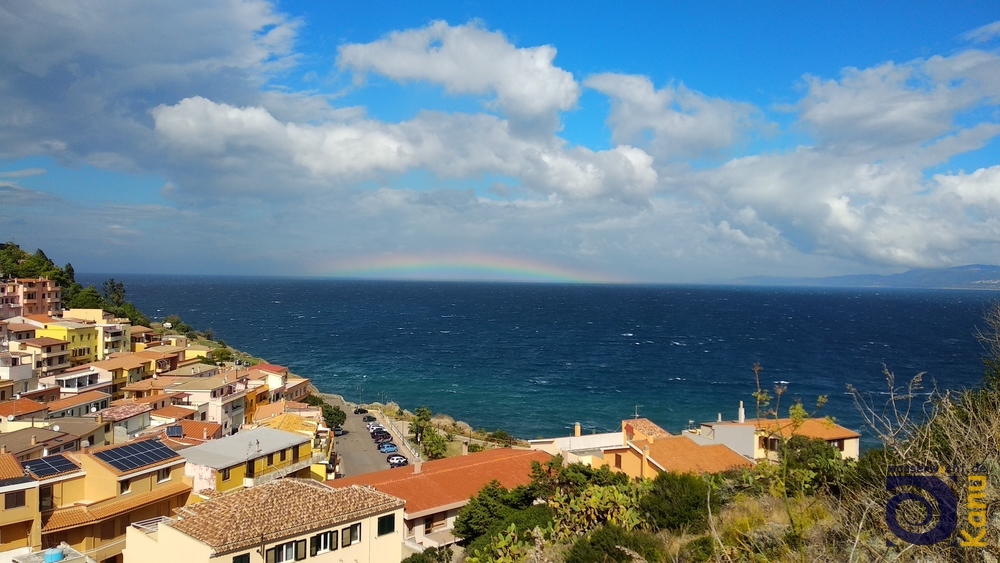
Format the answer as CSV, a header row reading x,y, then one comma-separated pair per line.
x,y
487,510
70,272
434,444
421,423
678,501
88,298
605,544
431,555
114,292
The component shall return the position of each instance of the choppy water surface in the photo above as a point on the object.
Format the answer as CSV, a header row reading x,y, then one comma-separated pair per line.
x,y
534,358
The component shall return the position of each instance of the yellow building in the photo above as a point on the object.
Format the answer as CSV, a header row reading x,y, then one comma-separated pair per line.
x,y
285,520
250,458
83,338
20,521
88,498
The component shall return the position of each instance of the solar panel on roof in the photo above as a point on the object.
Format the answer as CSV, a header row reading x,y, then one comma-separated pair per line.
x,y
51,465
135,455
175,432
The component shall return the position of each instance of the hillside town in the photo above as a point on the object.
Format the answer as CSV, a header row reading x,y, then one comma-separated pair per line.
x,y
125,443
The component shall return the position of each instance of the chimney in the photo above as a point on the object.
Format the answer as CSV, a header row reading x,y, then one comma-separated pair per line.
x,y
417,466
743,414
85,449
204,433
3,448
720,417
465,448
576,429
34,440
100,418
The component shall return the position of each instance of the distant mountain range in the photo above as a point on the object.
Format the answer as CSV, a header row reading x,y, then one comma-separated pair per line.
x,y
974,276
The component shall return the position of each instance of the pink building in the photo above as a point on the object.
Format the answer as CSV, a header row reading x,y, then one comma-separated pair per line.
x,y
38,296
10,300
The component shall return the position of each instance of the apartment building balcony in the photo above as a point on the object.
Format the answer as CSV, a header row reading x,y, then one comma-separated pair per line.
x,y
114,336
54,364
285,469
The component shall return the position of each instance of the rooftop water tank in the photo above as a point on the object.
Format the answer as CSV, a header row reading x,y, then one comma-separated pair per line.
x,y
54,554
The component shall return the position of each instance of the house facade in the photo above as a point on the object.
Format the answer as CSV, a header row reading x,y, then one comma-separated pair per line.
x,y
258,525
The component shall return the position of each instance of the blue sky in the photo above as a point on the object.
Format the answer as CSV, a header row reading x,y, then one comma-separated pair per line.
x,y
647,142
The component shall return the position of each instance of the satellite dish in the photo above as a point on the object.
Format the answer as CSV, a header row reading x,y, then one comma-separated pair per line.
x,y
56,428
10,418
93,409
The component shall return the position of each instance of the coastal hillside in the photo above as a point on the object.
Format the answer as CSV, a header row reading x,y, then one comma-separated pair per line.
x,y
973,276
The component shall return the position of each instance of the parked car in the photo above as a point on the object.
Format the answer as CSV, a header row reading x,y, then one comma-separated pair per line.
x,y
360,410
387,448
338,431
382,438
367,418
396,460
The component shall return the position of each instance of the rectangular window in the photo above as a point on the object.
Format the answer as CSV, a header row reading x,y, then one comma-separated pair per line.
x,y
270,459
618,461
245,558
45,498
291,551
283,455
321,543
163,474
250,469
295,454
124,486
13,500
386,524
350,535
225,474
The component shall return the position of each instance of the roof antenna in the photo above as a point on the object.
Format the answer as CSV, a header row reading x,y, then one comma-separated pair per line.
x,y
637,411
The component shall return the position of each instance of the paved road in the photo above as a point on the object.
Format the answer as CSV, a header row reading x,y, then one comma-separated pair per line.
x,y
358,454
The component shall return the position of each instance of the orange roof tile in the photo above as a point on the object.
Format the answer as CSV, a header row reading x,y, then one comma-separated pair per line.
x,y
823,429
20,407
122,361
43,341
120,412
271,368
683,455
139,329
644,426
10,468
81,399
250,517
173,411
20,327
452,481
62,519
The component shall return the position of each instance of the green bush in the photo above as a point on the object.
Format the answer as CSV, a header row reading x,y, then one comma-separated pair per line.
x,y
699,549
603,546
528,519
431,555
678,501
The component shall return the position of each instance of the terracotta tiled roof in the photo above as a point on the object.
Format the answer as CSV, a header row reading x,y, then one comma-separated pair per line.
x,y
165,396
271,368
249,517
122,361
10,469
20,327
121,412
644,426
288,422
820,428
152,383
43,341
174,412
452,481
20,407
81,399
274,409
194,428
139,329
682,455
62,519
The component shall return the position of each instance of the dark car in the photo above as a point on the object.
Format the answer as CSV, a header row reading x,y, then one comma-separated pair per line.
x,y
368,418
382,438
360,410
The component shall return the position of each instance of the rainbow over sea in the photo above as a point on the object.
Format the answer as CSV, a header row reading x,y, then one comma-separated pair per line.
x,y
461,267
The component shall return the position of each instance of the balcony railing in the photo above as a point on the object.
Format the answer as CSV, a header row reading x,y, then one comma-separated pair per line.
x,y
278,471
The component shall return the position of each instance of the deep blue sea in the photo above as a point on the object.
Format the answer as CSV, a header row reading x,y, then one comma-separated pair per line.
x,y
535,358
